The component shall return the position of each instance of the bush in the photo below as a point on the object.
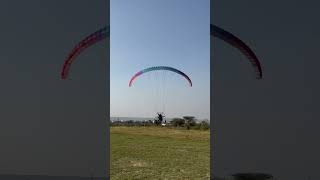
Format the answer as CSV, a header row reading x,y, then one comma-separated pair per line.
x,y
177,122
204,125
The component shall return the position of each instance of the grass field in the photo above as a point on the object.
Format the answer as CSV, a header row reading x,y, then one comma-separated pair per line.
x,y
159,153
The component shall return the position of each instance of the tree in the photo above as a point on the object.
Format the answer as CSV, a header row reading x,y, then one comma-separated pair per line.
x,y
189,121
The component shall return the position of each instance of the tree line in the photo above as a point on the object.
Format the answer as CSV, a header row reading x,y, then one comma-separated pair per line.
x,y
187,122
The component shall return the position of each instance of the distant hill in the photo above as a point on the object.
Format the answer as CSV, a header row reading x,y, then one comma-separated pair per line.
x,y
132,118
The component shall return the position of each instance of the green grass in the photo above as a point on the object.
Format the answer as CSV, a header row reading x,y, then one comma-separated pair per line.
x,y
159,153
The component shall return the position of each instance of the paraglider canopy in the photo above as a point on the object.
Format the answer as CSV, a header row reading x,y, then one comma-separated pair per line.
x,y
160,68
214,31
157,86
81,46
239,44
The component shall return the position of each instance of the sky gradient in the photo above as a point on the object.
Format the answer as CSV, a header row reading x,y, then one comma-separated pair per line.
x,y
147,33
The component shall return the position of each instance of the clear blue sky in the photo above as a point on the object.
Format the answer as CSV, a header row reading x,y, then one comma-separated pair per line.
x,y
142,35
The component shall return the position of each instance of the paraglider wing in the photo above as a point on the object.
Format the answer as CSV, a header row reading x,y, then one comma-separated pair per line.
x,y
239,44
160,68
214,30
82,45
